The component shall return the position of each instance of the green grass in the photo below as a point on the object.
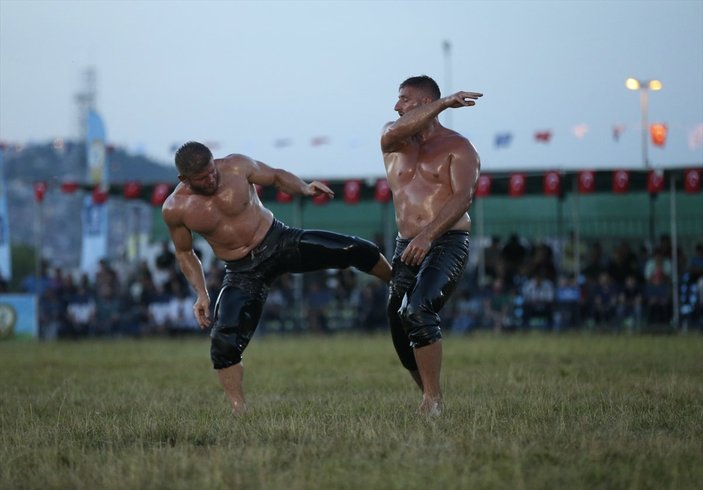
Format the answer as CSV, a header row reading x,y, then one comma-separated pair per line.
x,y
523,412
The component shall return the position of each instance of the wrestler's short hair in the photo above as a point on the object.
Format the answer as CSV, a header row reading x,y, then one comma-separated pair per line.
x,y
424,83
192,157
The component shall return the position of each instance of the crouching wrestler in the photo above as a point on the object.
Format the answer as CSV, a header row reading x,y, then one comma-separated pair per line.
x,y
217,199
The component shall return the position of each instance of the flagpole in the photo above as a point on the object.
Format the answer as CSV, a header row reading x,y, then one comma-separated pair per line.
x,y
447,47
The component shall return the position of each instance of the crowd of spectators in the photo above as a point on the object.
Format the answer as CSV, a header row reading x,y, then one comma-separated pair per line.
x,y
518,286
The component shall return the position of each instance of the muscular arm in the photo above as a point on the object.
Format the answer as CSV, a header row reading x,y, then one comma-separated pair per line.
x,y
285,181
189,263
412,122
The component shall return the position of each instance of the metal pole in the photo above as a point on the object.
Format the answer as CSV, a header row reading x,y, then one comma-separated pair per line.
x,y
644,105
674,255
446,45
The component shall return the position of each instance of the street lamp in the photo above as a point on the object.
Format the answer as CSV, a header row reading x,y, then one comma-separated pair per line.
x,y
644,87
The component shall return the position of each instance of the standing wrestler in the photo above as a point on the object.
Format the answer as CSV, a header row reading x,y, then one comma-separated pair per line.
x,y
432,172
217,199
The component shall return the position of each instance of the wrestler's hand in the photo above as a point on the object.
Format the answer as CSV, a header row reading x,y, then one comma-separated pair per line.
x,y
415,252
461,99
315,188
201,310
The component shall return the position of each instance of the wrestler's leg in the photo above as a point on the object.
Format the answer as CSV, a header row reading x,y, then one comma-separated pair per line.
x,y
321,249
420,314
400,339
237,314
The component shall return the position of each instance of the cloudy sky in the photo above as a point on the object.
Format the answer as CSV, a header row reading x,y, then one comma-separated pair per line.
x,y
265,78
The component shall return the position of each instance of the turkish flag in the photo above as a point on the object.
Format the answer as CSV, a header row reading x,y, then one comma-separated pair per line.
x,y
516,185
283,197
69,187
552,184
621,181
352,191
692,180
99,194
321,198
655,181
483,188
159,195
587,181
543,136
658,132
39,191
382,192
132,190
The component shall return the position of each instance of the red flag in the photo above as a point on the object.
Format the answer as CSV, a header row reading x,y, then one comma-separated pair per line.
x,y
352,191
621,181
692,180
99,194
319,140
658,133
39,191
516,186
321,198
543,136
69,186
132,190
158,197
383,192
483,188
282,197
587,181
655,181
552,184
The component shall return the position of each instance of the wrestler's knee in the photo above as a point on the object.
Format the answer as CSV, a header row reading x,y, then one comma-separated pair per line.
x,y
226,347
364,254
420,323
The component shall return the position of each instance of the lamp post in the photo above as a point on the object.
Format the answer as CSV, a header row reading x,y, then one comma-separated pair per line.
x,y
644,87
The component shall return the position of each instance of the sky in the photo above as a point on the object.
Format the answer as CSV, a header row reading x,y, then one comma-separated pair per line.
x,y
243,75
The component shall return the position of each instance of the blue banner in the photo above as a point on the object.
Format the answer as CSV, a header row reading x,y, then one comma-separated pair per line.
x,y
5,258
94,215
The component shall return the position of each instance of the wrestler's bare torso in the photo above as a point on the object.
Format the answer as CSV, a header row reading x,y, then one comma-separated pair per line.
x,y
421,174
232,220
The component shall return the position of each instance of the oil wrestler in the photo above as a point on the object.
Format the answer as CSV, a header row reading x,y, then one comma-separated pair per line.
x,y
217,199
432,172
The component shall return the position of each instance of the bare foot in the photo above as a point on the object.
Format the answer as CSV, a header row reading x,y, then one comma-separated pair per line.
x,y
431,407
238,408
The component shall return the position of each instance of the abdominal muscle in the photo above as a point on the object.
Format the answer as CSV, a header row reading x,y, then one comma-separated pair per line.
x,y
237,236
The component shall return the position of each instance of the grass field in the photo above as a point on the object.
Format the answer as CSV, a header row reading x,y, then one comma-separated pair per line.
x,y
523,412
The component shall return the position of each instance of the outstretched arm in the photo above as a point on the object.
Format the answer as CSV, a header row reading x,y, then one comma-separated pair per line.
x,y
285,181
396,133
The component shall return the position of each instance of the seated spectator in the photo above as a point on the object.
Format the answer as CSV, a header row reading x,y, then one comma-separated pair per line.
x,y
180,311
467,312
498,307
657,300
80,312
108,311
538,302
629,310
605,300
319,299
158,313
568,296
